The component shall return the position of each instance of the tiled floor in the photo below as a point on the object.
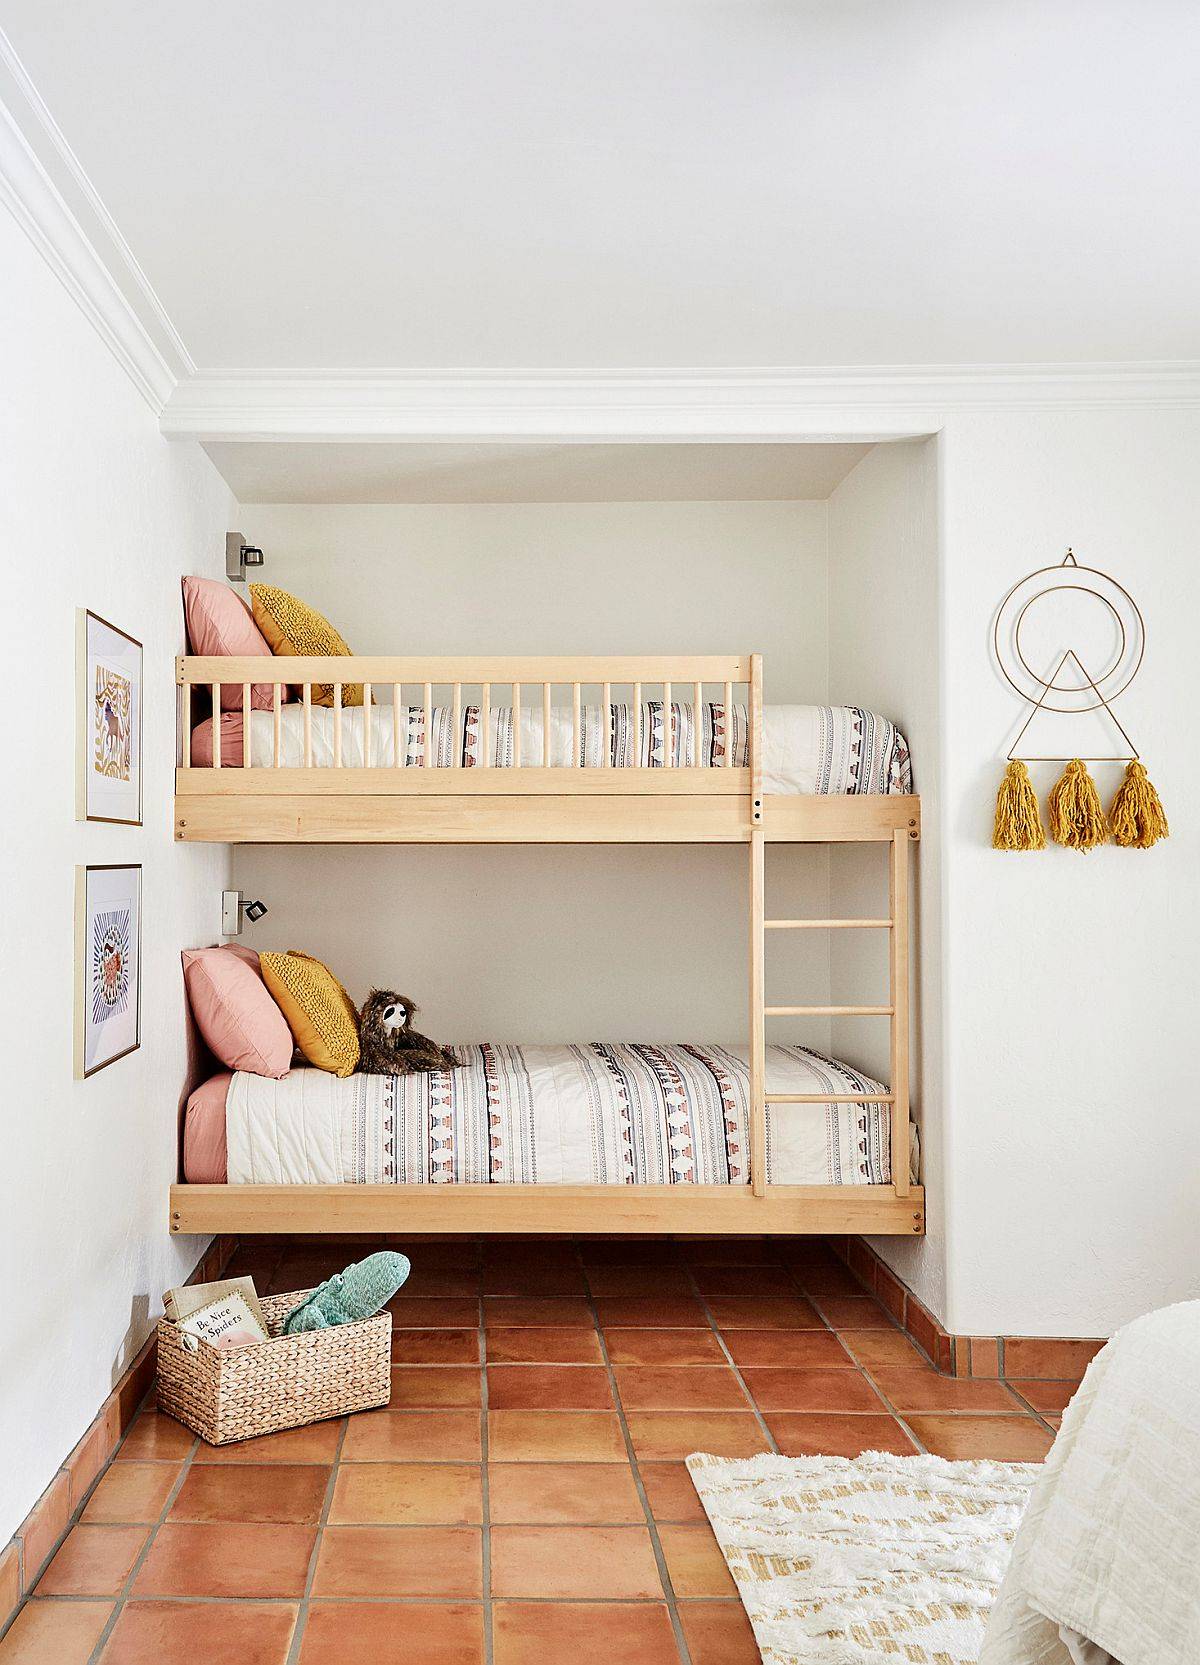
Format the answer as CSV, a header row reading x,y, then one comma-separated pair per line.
x,y
523,1500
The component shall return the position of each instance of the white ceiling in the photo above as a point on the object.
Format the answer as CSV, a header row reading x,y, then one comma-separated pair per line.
x,y
415,473
599,183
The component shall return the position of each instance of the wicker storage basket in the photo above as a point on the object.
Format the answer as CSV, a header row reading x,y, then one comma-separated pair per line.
x,y
235,1393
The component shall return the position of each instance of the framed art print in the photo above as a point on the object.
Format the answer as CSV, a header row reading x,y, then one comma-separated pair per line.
x,y
109,740
108,971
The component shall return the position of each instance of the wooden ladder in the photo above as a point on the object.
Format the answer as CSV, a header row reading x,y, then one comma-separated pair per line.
x,y
896,1010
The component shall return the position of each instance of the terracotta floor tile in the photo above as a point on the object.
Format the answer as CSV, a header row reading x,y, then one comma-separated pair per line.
x,y
827,1280
54,1632
744,1281
788,1349
435,1346
673,1435
890,1347
1058,1360
814,1434
534,1280
731,1251
413,1436
718,1633
407,1494
253,1491
183,1633
316,1443
602,1562
853,1312
399,1561
226,1558
737,1312
640,1280
423,1385
132,1492
155,1437
812,1390
1046,1395
666,1347
434,1283
412,1314
550,1387
694,1562
688,1387
670,1492
568,1436
558,1633
93,1561
670,1312
553,1345
1006,1439
517,1312
925,1390
393,1633
563,1494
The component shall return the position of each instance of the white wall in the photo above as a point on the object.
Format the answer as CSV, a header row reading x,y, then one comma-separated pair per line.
x,y
884,653
96,509
1073,1141
551,943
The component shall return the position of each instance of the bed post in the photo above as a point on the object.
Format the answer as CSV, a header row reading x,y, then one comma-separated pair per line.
x,y
898,890
758,1039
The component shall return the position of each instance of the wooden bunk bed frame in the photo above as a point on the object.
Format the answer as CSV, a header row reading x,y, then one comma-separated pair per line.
x,y
530,802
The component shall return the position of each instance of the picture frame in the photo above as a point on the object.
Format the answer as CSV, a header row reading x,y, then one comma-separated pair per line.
x,y
109,722
108,965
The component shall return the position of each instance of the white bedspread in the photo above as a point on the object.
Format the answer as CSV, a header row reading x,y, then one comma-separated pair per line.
x,y
1109,1549
597,1114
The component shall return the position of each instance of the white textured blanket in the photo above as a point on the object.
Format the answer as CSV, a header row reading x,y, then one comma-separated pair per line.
x,y
598,1114
1109,1549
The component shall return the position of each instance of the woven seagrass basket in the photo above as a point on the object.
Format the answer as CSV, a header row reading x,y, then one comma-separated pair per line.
x,y
236,1393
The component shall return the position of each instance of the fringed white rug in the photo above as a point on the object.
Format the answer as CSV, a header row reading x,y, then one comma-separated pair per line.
x,y
865,1561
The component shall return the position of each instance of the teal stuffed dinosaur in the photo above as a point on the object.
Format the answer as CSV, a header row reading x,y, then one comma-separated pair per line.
x,y
349,1296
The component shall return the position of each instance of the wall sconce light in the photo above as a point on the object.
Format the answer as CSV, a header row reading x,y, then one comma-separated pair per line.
x,y
235,909
238,556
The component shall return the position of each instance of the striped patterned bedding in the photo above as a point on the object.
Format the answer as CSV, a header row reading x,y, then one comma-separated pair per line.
x,y
829,749
598,1114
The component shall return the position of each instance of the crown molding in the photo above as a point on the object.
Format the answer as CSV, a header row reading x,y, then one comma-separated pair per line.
x,y
40,209
861,403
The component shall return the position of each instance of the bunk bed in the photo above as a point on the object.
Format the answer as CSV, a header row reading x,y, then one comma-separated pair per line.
x,y
331,750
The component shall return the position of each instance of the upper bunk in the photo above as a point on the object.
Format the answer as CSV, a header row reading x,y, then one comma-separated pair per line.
x,y
650,749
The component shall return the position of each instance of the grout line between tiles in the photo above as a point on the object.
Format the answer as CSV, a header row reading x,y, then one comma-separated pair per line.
x,y
1028,1405
326,1505
741,1380
815,1302
485,1485
651,1524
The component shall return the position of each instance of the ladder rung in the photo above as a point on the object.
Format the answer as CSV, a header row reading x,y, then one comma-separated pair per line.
x,y
827,924
827,1011
830,1098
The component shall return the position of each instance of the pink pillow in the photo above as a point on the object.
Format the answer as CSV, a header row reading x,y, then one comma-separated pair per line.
x,y
235,1013
205,1156
220,624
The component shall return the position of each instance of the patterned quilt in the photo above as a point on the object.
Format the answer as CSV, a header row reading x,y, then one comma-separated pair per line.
x,y
598,1114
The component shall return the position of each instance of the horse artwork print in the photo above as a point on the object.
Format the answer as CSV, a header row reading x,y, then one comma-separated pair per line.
x,y
109,769
111,749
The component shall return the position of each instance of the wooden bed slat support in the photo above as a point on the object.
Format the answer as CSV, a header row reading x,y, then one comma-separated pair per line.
x,y
337,725
247,748
485,725
277,725
307,700
216,725
368,695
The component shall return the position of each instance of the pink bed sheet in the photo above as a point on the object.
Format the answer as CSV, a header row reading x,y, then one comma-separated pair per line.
x,y
205,1158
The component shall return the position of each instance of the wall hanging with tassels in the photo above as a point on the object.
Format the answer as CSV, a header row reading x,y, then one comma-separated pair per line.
x,y
1135,818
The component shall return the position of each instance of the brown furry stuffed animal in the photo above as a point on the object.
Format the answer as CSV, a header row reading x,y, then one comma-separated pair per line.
x,y
388,1045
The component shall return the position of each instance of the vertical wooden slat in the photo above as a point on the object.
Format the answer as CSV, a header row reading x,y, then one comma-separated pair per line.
x,y
729,725
337,725
697,723
485,695
576,723
758,1038
185,724
516,724
668,735
456,739
606,696
247,753
428,704
397,702
368,700
898,968
545,725
637,725
307,697
755,740
216,723
277,723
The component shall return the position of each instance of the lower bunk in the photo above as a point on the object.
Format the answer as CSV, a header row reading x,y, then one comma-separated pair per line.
x,y
592,1138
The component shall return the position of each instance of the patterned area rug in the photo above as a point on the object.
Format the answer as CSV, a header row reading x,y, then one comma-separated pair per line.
x,y
858,1562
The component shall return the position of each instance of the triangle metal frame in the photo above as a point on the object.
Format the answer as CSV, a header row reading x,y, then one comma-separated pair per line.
x,y
1131,756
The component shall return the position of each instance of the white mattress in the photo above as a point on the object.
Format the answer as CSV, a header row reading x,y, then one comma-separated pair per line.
x,y
594,1114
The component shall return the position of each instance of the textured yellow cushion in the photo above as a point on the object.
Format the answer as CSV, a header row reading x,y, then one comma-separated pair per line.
x,y
293,627
320,1014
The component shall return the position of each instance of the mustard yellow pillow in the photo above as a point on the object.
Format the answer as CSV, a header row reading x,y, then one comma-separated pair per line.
x,y
320,1014
292,627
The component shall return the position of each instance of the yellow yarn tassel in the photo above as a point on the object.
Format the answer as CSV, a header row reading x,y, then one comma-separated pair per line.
x,y
1018,823
1076,814
1136,813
